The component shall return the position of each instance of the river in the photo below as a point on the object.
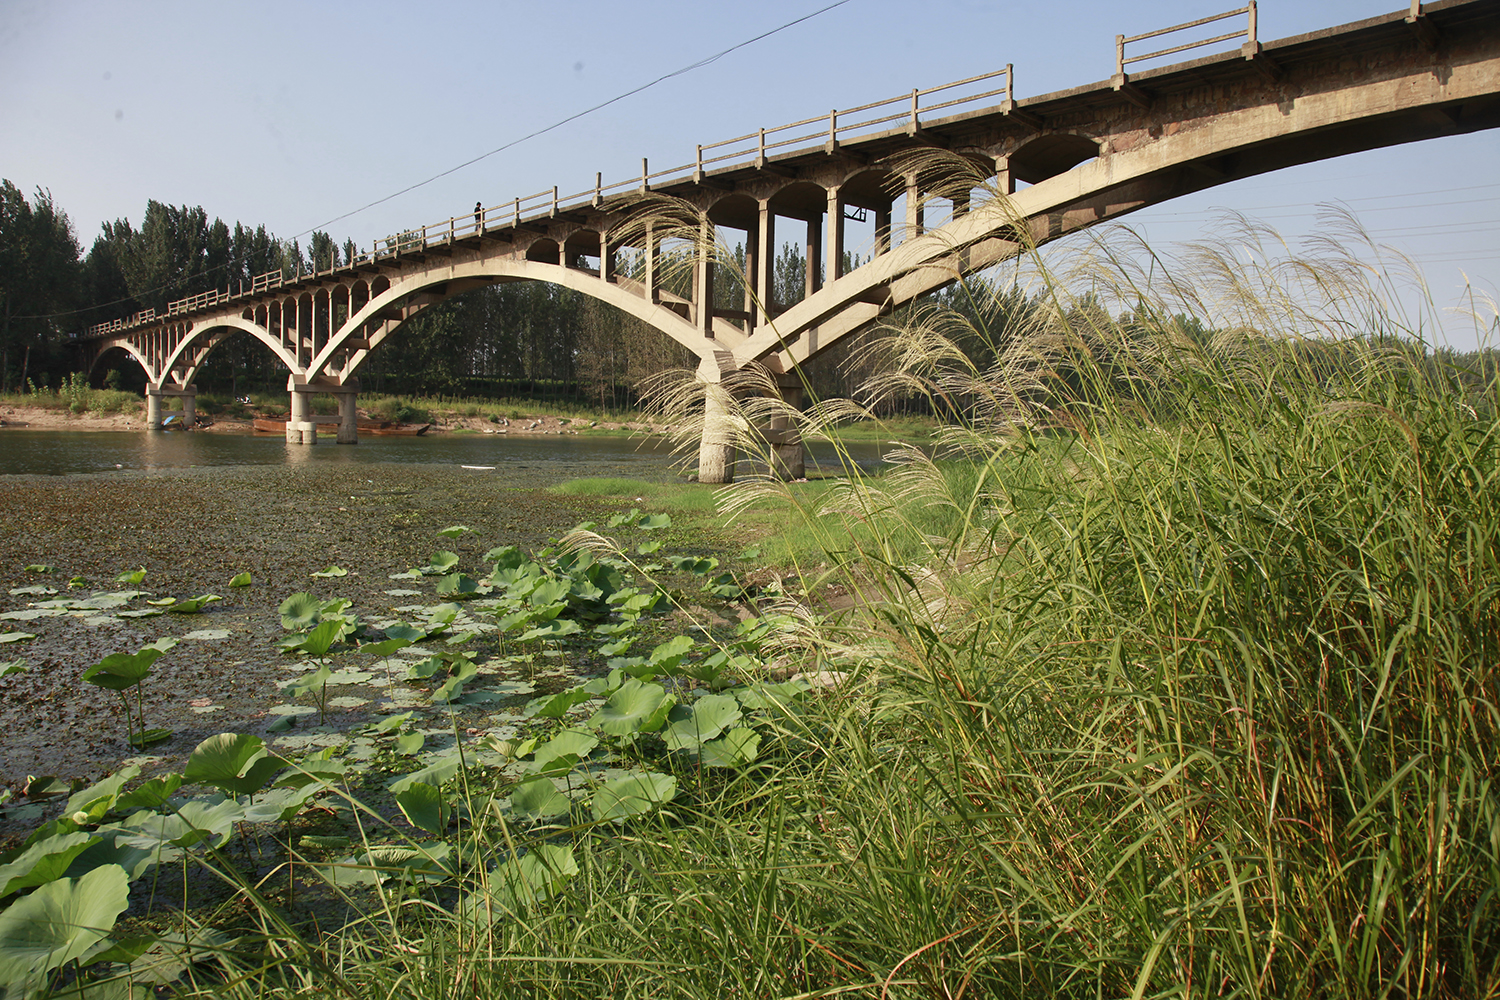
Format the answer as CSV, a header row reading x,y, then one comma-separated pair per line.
x,y
524,460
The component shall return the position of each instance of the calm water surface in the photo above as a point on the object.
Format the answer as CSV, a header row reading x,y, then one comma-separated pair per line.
x,y
542,460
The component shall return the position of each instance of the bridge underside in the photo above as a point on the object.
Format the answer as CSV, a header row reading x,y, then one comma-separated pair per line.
x,y
1087,156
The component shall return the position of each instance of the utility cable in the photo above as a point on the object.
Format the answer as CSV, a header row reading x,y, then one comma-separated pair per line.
x,y
706,61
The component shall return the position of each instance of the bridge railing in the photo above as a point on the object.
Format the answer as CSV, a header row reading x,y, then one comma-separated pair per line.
x,y
1249,34
830,130
752,149
116,325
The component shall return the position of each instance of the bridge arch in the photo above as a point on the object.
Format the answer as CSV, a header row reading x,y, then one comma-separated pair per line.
x,y
207,334
473,274
1051,154
129,348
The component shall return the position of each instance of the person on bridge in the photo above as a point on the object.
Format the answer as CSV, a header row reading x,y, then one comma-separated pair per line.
x,y
478,217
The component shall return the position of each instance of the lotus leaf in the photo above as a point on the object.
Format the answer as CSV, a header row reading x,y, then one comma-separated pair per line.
x,y
16,636
150,794
118,671
441,562
299,611
240,580
636,707
424,808
280,804
578,742
391,722
105,790
331,572
738,746
537,876
555,706
455,531
435,773
457,585
60,922
634,795
42,862
539,799
704,720
235,762
555,629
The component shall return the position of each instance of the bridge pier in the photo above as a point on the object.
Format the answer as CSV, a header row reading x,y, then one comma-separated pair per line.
x,y
299,429
348,416
788,457
716,449
188,395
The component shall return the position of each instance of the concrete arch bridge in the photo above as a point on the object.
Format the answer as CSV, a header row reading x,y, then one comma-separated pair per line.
x,y
1067,160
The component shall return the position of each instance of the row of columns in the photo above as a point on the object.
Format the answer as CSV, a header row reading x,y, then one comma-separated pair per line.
x,y
300,427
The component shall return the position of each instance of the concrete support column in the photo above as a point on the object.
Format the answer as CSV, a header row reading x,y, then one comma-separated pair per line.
x,y
914,214
882,230
153,408
653,265
716,450
747,279
300,429
189,406
833,270
1004,180
606,258
348,418
703,278
812,258
765,263
788,458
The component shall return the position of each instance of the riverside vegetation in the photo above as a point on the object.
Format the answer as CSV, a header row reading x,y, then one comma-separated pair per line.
x,y
1173,672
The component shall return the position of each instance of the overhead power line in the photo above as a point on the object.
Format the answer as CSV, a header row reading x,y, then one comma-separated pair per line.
x,y
705,61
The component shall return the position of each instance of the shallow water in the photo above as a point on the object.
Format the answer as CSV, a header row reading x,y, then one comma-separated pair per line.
x,y
536,461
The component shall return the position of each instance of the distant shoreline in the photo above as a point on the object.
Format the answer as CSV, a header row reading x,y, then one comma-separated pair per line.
x,y
44,418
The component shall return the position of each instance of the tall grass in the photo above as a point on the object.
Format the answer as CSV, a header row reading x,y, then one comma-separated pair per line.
x,y
1203,671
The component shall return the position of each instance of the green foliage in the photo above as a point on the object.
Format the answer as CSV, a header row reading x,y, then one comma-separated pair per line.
x,y
236,763
121,671
61,922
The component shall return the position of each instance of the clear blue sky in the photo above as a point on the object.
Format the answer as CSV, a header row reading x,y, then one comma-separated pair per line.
x,y
292,114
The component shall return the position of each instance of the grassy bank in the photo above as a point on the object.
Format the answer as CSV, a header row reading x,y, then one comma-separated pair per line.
x,y
1173,674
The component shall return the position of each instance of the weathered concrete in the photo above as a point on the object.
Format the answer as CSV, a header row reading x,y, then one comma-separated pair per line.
x,y
1089,154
